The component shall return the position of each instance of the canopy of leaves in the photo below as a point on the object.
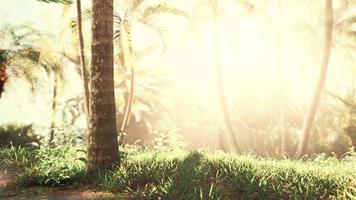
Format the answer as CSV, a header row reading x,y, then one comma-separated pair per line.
x,y
57,1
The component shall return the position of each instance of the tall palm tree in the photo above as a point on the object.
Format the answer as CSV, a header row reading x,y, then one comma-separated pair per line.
x,y
309,119
82,62
132,12
103,146
280,75
219,77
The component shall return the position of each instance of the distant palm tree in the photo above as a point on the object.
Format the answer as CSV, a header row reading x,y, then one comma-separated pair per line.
x,y
25,43
16,49
219,76
309,119
136,12
51,60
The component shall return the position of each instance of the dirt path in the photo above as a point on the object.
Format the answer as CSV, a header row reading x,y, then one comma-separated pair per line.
x,y
39,193
10,191
7,178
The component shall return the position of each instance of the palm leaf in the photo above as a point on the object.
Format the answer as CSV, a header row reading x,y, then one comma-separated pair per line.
x,y
135,4
86,16
161,8
57,1
123,39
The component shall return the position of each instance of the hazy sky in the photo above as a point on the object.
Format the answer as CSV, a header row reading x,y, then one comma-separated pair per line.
x,y
30,12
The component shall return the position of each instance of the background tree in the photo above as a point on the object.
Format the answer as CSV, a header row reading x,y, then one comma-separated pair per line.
x,y
53,64
309,119
220,78
82,62
16,50
280,75
136,12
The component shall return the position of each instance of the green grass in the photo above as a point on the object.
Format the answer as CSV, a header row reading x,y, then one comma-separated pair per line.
x,y
149,174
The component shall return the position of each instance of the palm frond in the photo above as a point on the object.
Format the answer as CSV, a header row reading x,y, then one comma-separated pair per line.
x,y
4,57
128,28
160,30
161,8
86,16
57,1
117,31
18,37
123,40
135,4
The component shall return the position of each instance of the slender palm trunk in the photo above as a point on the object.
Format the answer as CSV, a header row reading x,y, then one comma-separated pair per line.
x,y
128,106
103,146
128,63
54,110
280,75
309,119
220,79
82,62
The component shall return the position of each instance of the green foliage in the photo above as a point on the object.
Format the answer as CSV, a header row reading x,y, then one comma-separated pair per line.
x,y
57,1
151,174
168,140
17,156
56,166
18,135
68,134
46,166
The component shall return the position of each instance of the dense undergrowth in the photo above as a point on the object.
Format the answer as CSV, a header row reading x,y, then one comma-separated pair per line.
x,y
152,174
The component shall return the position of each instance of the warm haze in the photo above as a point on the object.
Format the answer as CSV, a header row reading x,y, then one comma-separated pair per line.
x,y
240,76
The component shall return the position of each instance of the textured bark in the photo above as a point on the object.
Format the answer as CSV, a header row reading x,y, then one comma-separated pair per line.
x,y
54,110
103,146
309,119
82,62
220,78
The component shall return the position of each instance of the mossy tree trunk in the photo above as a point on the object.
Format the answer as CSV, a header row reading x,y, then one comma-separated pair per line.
x,y
103,146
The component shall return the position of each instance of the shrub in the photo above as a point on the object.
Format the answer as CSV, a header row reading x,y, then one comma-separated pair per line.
x,y
17,135
46,166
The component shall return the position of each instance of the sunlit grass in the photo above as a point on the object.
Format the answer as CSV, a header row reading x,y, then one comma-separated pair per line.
x,y
152,174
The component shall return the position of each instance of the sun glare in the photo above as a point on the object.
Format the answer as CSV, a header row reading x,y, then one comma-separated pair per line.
x,y
267,52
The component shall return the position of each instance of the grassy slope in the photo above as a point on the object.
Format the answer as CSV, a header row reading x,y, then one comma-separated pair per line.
x,y
147,174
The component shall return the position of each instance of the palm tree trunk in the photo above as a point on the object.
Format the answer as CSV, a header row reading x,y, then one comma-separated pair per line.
x,y
220,79
82,62
54,110
103,146
128,106
309,119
